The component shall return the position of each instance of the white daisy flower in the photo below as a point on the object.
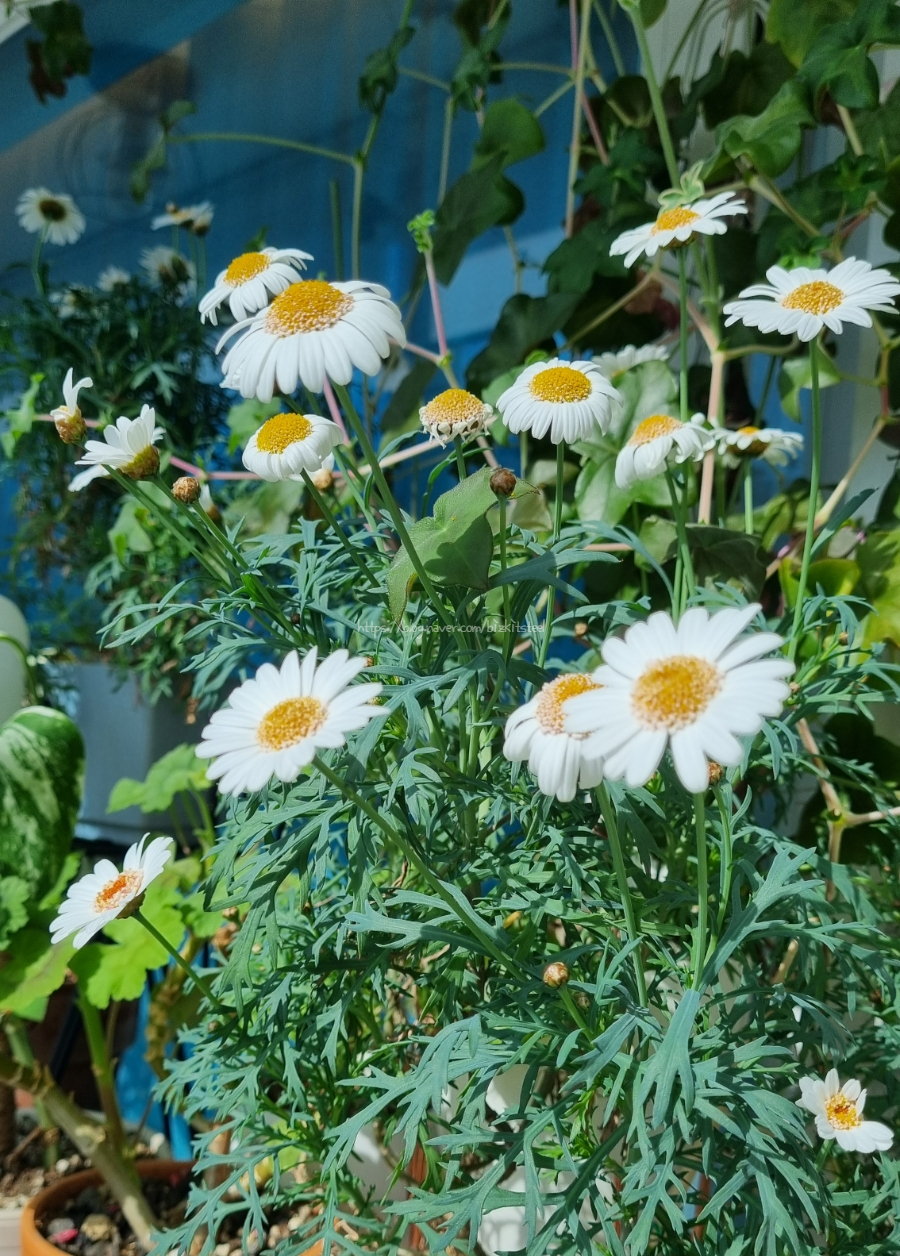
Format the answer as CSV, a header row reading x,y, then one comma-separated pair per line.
x,y
164,265
568,399
692,687
676,226
67,417
455,413
561,761
801,302
275,723
196,218
127,445
839,1113
655,441
612,365
312,329
111,278
105,894
773,444
288,444
54,213
250,280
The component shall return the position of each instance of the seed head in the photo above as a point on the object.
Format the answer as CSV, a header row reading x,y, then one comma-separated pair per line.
x,y
556,974
186,489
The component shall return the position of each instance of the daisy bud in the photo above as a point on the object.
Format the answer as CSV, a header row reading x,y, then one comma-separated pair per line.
x,y
186,489
716,772
556,974
72,428
502,482
322,480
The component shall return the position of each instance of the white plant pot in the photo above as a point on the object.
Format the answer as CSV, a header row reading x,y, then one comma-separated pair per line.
x,y
10,1231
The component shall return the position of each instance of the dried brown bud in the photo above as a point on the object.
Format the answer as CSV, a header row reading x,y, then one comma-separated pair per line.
x,y
716,772
71,427
502,482
224,936
581,628
322,479
186,489
556,974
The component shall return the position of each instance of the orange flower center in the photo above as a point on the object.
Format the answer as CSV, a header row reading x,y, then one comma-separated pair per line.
x,y
814,298
653,427
560,383
842,1113
289,722
455,405
277,433
310,305
120,891
755,449
549,712
672,219
673,692
245,267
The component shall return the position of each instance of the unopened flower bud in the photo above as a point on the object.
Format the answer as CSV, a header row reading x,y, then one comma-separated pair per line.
x,y
186,489
70,425
322,480
502,482
716,772
556,974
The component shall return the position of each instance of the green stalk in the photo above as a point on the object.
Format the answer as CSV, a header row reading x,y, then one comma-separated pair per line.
x,y
726,868
656,100
508,634
337,529
748,497
36,262
813,498
681,596
683,333
612,831
699,957
20,1047
182,963
557,528
460,460
102,1068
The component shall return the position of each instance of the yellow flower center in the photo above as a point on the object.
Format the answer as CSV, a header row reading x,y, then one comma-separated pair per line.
x,y
284,429
560,383
755,449
842,1113
119,892
673,692
672,219
310,305
549,712
814,298
455,405
245,267
653,427
289,722
143,466
52,210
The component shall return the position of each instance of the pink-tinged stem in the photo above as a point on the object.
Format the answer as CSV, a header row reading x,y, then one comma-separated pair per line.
x,y
436,305
594,130
419,351
334,409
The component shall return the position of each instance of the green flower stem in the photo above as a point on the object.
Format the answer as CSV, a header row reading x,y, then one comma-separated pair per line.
x,y
726,863
182,963
683,325
748,497
508,634
574,1011
557,528
612,831
656,100
337,529
700,937
36,261
102,1068
20,1047
681,594
460,460
813,498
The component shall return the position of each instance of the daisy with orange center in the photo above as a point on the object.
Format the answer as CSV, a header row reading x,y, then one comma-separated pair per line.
x,y
251,280
801,302
773,444
656,441
455,414
106,893
677,225
561,761
839,1113
275,723
312,330
289,444
568,400
696,687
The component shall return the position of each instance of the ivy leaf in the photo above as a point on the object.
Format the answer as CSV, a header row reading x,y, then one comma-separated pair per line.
x,y
771,140
744,85
838,63
510,132
380,73
408,395
63,52
479,199
525,323
718,554
796,27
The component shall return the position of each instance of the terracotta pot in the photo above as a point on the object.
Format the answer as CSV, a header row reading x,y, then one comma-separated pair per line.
x,y
55,1198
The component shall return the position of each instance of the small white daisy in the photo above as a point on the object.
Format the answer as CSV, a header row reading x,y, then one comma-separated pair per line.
x,y
250,280
612,365
67,417
312,330
167,266
692,687
127,445
288,444
561,761
275,723
657,439
196,218
676,226
112,277
54,213
105,894
455,413
839,1113
773,444
801,302
570,400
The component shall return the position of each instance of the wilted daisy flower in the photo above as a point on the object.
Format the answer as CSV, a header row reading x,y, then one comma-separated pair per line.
x,y
127,445
676,226
166,266
288,444
67,417
772,444
455,413
692,687
561,761
612,365
570,400
250,280
111,278
196,218
655,440
312,330
106,893
801,302
275,723
53,213
839,1113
